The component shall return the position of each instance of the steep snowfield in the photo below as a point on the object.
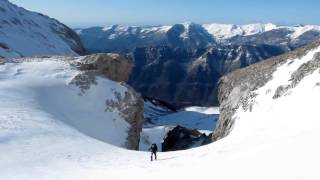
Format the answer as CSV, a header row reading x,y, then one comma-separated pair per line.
x,y
25,33
277,139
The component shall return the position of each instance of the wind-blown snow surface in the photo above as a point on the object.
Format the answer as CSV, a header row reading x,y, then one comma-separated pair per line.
x,y
25,33
278,139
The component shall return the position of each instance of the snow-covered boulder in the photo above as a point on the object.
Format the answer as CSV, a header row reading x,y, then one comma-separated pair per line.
x,y
25,33
80,92
253,92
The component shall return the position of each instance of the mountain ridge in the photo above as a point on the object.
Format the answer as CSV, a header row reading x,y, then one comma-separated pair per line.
x,y
181,64
27,33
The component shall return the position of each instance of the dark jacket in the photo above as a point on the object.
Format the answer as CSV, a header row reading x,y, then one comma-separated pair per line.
x,y
154,148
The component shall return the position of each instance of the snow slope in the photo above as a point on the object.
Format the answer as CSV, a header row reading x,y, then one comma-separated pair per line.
x,y
37,94
25,33
277,139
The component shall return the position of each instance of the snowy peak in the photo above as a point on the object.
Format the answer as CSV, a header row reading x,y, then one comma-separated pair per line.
x,y
190,35
225,31
26,33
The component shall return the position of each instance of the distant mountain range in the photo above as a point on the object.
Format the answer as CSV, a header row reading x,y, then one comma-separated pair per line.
x,y
119,38
182,64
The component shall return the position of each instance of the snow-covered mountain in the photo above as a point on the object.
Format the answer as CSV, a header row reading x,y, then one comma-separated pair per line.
x,y
191,35
269,110
26,33
226,31
181,64
120,39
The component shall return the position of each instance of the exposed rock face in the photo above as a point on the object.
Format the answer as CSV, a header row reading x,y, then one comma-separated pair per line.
x,y
180,138
112,66
236,89
130,107
183,78
117,68
189,36
297,76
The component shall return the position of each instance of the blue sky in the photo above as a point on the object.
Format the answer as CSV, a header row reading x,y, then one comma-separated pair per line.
x,y
83,13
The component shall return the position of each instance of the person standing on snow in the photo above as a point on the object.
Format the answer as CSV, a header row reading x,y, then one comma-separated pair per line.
x,y
154,150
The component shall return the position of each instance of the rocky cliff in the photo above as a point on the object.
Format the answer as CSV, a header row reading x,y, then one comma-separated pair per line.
x,y
130,104
238,90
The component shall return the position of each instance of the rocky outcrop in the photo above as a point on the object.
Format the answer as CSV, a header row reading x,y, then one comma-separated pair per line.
x,y
117,68
112,66
236,89
130,107
180,138
304,70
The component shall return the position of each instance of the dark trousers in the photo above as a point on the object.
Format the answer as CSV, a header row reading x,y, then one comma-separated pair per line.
x,y
155,155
